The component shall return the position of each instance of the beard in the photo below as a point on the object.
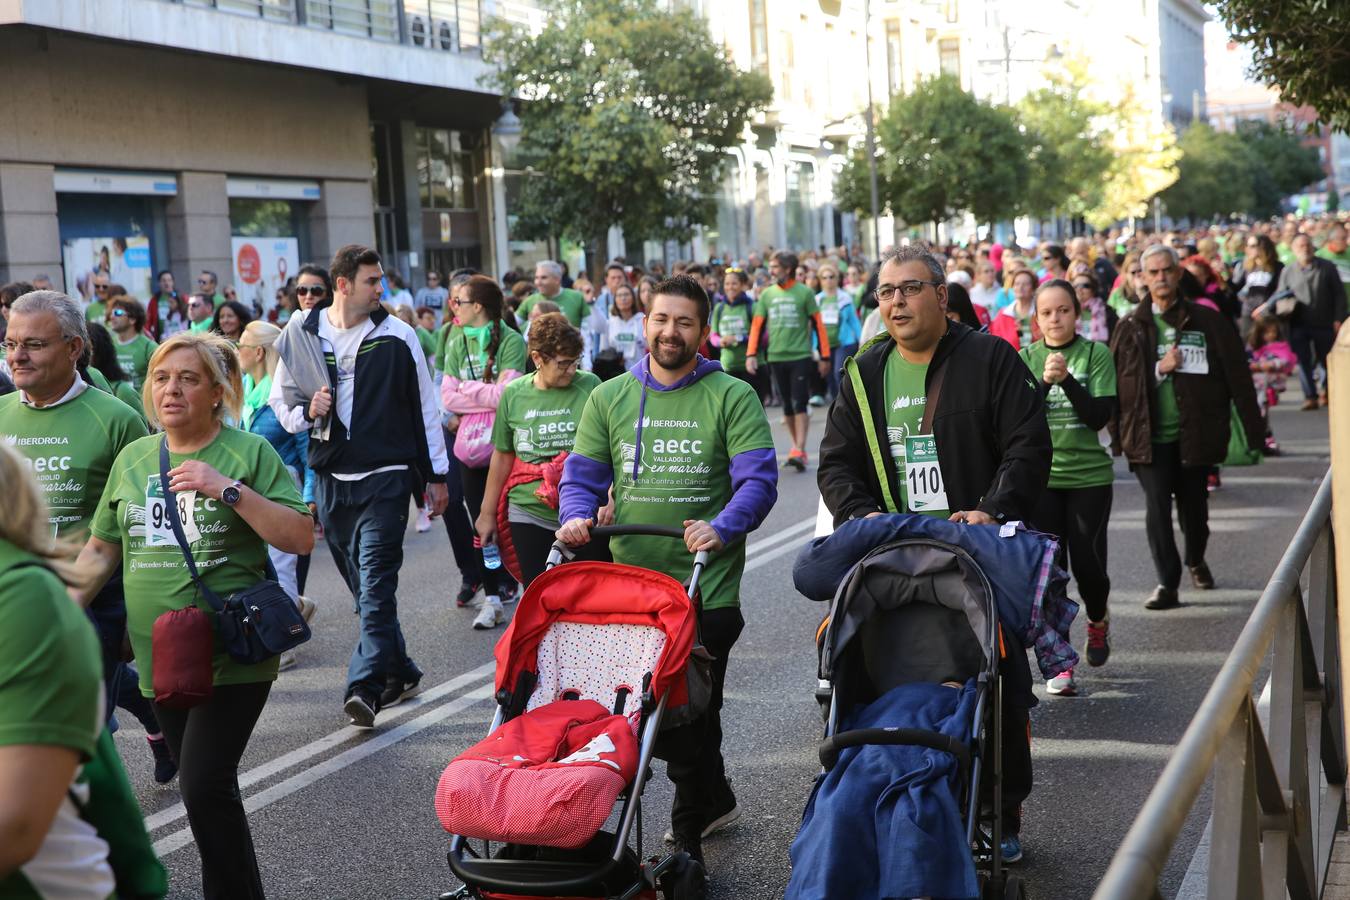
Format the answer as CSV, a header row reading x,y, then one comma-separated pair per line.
x,y
670,357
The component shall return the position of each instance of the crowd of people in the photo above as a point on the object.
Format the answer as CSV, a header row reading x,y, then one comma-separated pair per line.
x,y
971,382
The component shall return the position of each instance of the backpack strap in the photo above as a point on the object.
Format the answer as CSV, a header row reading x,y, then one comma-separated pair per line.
x,y
870,430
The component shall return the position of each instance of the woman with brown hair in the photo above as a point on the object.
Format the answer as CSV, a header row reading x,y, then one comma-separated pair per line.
x,y
1255,276
482,356
229,485
532,435
1126,294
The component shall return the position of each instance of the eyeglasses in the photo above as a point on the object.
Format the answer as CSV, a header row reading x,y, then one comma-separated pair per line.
x,y
203,281
824,275
32,345
1081,285
100,288
462,302
564,364
886,292
310,290
118,313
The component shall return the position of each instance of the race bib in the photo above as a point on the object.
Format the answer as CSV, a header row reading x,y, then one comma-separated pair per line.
x,y
923,475
158,529
625,337
830,315
1194,355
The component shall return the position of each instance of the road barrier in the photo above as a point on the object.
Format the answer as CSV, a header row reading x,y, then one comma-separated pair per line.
x,y
1279,789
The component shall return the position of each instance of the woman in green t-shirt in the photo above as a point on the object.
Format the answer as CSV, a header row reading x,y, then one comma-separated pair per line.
x,y
104,359
535,427
1078,380
235,499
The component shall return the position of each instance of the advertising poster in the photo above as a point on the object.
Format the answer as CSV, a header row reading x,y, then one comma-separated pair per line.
x,y
125,260
261,267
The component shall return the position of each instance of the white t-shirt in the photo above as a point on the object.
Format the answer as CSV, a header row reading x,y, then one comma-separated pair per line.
x,y
984,296
345,342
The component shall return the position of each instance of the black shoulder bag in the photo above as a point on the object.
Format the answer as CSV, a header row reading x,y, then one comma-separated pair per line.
x,y
256,623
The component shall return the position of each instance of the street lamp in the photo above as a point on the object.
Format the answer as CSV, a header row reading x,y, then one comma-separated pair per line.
x,y
507,129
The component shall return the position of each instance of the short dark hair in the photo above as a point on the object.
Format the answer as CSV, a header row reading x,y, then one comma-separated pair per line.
x,y
423,311
788,260
215,279
614,265
688,287
349,260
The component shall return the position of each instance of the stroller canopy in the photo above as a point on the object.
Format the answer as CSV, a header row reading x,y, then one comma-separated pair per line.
x,y
599,593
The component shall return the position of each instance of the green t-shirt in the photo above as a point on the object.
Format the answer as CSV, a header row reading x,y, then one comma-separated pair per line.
x,y
96,311
787,317
572,303
134,357
1342,261
682,457
536,425
229,554
443,335
1079,460
1168,427
906,398
71,448
427,340
731,322
466,357
200,327
123,391
51,693
1119,302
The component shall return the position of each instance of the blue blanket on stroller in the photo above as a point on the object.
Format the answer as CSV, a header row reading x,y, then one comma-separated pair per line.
x,y
913,844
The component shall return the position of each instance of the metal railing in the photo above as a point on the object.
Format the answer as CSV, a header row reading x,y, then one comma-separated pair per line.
x,y
1279,790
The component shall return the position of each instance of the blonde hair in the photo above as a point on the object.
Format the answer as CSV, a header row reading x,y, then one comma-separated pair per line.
x,y
265,334
24,519
220,360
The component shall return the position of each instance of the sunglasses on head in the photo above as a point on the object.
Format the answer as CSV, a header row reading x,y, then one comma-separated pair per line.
x,y
311,290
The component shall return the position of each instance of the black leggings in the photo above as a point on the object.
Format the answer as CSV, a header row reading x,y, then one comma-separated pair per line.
x,y
207,742
475,485
533,544
1079,516
794,384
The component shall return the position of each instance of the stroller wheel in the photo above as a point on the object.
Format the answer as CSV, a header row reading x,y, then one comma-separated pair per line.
x,y
689,883
1014,889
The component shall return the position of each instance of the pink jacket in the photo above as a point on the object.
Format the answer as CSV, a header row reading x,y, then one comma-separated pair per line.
x,y
461,397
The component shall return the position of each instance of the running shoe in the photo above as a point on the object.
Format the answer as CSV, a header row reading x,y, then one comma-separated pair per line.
x,y
1213,482
466,594
1011,847
308,609
423,521
1309,405
1099,643
396,690
817,400
796,459
727,814
509,594
1062,685
165,767
490,615
1272,446
361,708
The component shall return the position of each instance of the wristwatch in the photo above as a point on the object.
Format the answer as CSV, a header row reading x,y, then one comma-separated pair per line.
x,y
230,496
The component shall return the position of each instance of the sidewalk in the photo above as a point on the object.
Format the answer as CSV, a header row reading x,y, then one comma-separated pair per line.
x,y
1338,875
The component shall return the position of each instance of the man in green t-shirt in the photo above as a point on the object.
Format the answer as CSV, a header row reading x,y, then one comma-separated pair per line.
x,y
200,313
1335,249
98,307
683,445
71,433
548,286
126,318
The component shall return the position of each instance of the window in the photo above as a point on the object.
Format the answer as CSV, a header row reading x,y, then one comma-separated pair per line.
x,y
895,75
444,170
759,37
949,56
949,7
801,204
785,71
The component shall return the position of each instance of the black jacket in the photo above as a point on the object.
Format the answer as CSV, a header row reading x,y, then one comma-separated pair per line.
x,y
993,441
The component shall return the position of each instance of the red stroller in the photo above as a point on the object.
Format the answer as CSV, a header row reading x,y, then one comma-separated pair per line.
x,y
593,659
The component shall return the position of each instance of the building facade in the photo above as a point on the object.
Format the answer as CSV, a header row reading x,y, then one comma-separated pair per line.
x,y
245,137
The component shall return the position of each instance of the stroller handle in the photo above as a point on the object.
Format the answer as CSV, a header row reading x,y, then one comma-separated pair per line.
x,y
562,551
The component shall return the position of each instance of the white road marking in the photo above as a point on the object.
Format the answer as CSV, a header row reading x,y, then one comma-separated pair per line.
x,y
282,789
778,537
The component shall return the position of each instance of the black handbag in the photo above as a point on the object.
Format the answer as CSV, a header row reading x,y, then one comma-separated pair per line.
x,y
256,623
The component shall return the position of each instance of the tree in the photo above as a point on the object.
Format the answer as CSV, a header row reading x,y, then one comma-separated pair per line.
x,y
1215,177
1299,47
941,152
1069,134
1280,165
1143,163
628,112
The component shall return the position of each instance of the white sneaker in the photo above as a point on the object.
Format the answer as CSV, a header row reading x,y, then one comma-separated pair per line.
x,y
490,615
423,521
1062,685
308,609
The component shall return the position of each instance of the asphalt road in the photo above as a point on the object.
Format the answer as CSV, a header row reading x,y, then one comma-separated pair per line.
x,y
337,813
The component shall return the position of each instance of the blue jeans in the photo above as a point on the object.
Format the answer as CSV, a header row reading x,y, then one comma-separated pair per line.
x,y
364,522
1311,345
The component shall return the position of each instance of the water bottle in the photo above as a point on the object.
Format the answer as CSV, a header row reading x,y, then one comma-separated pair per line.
x,y
491,558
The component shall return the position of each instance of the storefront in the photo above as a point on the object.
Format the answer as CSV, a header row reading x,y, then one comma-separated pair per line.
x,y
114,223
269,235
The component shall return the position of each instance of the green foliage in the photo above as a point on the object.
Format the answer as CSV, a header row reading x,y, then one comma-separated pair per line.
x,y
1251,171
941,152
1299,47
629,111
1070,150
